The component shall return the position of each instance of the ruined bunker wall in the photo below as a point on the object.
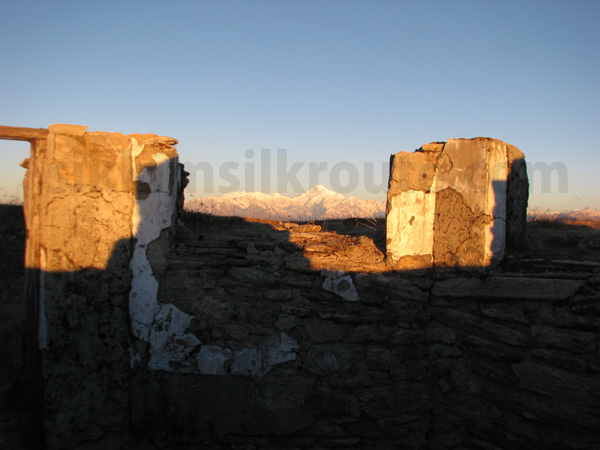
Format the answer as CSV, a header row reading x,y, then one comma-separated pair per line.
x,y
83,216
284,354
455,204
514,359
224,340
287,355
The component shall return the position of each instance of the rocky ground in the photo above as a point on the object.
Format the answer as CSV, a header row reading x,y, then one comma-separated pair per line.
x,y
360,241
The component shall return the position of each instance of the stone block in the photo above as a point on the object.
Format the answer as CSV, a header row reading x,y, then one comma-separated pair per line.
x,y
571,340
560,384
472,324
331,358
409,399
507,288
63,128
455,204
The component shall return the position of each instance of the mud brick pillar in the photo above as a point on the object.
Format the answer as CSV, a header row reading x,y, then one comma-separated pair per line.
x,y
455,204
92,201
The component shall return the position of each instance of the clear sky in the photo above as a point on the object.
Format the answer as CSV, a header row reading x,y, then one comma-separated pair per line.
x,y
335,83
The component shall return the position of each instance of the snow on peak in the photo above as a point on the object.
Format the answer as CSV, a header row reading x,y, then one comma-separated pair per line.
x,y
315,204
319,188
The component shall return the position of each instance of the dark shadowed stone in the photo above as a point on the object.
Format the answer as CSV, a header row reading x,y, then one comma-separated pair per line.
x,y
252,275
330,358
496,371
401,426
299,280
441,334
325,428
370,333
324,330
286,322
385,358
398,287
444,351
575,341
561,358
445,440
505,311
586,305
493,349
560,315
332,404
560,384
298,263
364,428
507,288
408,398
408,337
470,323
278,294
340,442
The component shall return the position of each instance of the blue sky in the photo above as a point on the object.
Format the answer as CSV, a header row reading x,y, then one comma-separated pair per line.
x,y
333,82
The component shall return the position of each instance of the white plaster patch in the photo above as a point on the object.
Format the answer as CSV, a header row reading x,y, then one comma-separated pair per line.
x,y
211,360
169,343
342,286
143,305
410,224
249,361
150,216
162,326
280,349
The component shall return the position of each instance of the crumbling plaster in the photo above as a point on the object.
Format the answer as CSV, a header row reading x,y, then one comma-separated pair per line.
x,y
448,204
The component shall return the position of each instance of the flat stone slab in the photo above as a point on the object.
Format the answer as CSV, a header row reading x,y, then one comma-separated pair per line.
x,y
507,288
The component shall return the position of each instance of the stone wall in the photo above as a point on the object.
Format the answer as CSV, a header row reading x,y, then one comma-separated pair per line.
x,y
295,347
236,334
92,200
455,204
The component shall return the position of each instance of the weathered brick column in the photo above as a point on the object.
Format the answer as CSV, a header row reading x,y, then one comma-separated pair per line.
x,y
455,204
94,201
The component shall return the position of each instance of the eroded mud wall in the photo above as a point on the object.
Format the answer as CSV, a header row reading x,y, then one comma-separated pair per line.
x,y
90,199
455,204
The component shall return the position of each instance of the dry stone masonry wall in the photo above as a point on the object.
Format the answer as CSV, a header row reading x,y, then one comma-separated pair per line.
x,y
389,359
236,334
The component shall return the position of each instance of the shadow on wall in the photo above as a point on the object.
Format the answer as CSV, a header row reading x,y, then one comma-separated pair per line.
x,y
94,203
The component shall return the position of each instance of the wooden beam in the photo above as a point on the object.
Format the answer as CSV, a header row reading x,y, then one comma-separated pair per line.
x,y
22,134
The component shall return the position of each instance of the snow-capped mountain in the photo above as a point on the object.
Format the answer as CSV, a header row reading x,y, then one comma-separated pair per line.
x,y
317,203
577,214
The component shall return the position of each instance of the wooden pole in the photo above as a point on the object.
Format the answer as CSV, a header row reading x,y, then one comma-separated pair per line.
x,y
22,134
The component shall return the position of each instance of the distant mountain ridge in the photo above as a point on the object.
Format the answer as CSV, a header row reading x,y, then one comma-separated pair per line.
x,y
318,203
577,214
